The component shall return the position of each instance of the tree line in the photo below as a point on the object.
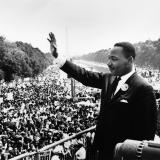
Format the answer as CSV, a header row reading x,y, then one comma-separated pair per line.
x,y
21,59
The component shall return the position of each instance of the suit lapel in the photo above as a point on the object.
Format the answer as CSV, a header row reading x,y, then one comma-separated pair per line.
x,y
120,92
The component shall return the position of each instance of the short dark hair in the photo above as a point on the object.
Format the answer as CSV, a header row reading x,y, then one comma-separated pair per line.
x,y
128,49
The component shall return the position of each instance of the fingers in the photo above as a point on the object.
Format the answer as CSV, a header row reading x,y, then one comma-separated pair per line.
x,y
52,37
49,40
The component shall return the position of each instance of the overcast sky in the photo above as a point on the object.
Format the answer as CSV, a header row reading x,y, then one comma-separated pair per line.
x,y
90,25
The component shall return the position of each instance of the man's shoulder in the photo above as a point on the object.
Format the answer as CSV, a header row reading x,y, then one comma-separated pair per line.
x,y
139,81
108,76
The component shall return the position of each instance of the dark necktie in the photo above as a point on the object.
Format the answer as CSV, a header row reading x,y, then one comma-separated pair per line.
x,y
114,84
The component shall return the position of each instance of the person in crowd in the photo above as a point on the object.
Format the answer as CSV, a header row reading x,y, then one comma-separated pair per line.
x,y
128,104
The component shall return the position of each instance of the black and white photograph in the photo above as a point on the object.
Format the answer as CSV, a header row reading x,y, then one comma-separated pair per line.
x,y
79,80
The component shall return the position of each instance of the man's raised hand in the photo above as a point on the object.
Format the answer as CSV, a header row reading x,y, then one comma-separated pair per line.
x,y
53,45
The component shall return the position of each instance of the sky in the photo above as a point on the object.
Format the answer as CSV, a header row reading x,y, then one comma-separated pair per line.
x,y
80,26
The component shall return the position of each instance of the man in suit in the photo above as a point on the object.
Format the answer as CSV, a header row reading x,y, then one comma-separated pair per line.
x,y
128,105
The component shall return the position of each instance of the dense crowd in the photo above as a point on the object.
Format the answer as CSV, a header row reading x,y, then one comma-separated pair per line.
x,y
35,112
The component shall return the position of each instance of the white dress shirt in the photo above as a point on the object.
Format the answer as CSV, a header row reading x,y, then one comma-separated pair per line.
x,y
59,62
124,78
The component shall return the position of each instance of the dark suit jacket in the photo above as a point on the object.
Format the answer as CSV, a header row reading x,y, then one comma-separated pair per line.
x,y
119,121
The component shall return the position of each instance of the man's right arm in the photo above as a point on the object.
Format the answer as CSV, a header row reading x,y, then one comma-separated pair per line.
x,y
88,78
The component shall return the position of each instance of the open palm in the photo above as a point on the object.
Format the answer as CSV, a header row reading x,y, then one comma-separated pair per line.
x,y
53,45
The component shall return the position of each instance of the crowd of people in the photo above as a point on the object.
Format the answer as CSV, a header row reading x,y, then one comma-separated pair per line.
x,y
40,111
35,112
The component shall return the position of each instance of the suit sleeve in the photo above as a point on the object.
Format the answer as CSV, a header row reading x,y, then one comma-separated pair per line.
x,y
88,78
145,116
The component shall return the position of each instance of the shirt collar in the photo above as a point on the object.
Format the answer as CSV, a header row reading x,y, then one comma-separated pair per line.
x,y
125,77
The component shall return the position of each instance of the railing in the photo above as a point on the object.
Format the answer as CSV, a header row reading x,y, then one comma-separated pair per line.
x,y
46,152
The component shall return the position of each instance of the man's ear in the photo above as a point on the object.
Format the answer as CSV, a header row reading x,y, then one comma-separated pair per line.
x,y
130,59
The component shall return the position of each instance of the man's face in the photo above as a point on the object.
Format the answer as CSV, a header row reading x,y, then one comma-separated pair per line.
x,y
117,62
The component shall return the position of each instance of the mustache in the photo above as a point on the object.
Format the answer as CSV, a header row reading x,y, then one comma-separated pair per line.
x,y
111,67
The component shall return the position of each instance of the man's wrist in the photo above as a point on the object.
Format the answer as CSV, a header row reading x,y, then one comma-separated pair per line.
x,y
60,61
